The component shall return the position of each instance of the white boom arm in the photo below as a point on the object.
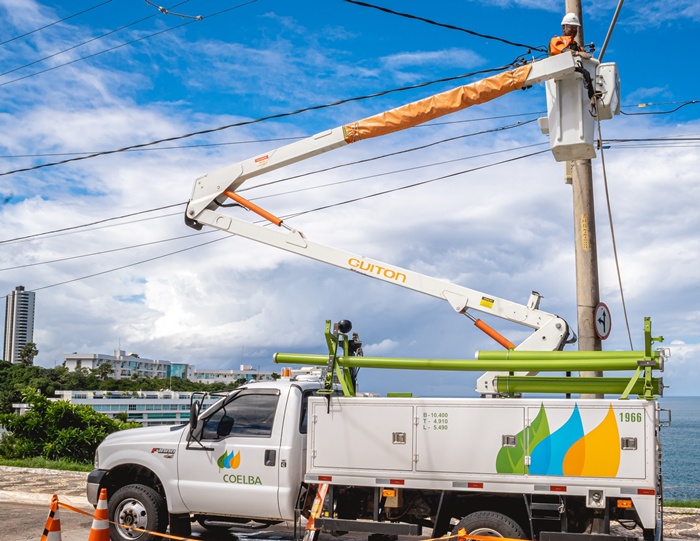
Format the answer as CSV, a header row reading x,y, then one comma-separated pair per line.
x,y
214,189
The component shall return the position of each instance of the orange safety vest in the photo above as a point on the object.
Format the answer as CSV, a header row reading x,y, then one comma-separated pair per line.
x,y
558,43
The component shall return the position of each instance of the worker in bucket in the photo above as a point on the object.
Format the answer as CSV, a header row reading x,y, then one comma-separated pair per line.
x,y
567,41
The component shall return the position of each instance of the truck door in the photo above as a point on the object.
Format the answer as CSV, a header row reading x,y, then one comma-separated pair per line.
x,y
235,471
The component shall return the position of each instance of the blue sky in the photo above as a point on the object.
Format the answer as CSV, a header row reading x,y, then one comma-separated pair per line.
x,y
505,229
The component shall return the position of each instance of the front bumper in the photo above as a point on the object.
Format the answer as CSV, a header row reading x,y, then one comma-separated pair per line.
x,y
94,481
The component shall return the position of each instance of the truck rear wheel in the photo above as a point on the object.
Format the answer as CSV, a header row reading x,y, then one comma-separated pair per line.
x,y
138,506
490,524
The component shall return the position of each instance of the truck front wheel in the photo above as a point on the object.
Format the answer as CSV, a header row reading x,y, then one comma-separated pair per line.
x,y
137,506
490,524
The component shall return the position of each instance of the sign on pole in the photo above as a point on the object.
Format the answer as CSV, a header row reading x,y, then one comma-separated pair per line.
x,y
603,321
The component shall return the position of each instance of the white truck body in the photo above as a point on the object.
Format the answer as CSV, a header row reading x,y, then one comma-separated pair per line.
x,y
246,460
572,447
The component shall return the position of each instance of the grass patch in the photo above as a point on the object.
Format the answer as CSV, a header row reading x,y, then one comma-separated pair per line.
x,y
63,464
682,503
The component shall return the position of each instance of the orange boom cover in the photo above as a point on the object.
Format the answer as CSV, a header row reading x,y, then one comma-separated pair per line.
x,y
436,106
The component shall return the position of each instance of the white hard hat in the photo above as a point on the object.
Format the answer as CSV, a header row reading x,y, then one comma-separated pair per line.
x,y
571,19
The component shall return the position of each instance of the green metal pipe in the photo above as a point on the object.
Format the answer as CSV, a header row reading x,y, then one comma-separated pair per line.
x,y
515,355
553,365
546,384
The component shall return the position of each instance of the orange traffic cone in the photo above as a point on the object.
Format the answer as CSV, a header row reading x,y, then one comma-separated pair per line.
x,y
100,524
52,530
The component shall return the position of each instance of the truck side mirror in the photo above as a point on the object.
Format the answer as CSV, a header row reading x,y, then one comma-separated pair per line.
x,y
194,414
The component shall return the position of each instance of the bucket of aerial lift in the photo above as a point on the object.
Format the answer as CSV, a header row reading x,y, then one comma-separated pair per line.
x,y
570,119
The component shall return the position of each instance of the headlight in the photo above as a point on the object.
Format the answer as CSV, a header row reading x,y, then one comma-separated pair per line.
x,y
97,459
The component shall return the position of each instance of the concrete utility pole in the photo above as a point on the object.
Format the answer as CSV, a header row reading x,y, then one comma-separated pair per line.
x,y
587,288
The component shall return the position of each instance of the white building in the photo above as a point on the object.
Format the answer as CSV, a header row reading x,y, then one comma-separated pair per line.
x,y
246,372
150,408
19,322
125,365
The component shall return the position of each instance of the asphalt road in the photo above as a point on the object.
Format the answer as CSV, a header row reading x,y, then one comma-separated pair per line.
x,y
25,522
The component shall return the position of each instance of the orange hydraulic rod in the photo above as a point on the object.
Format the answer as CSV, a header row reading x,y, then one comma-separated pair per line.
x,y
493,333
255,208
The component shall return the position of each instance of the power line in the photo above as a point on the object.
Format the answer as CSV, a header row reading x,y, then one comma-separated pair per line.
x,y
7,241
255,141
125,44
79,45
74,228
127,266
444,25
103,252
53,23
295,215
256,120
690,102
399,152
415,168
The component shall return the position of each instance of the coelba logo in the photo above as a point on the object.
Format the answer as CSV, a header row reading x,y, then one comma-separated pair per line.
x,y
229,460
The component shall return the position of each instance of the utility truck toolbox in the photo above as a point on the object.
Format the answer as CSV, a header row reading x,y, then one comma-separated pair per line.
x,y
592,448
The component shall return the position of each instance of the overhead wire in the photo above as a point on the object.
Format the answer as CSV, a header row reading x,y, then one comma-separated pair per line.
x,y
97,222
103,252
81,44
127,43
54,23
683,104
92,224
297,214
614,242
444,25
254,141
390,154
257,120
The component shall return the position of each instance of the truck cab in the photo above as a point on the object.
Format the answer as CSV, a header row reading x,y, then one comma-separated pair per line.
x,y
251,444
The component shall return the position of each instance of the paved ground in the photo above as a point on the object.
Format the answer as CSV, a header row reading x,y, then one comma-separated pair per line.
x,y
25,495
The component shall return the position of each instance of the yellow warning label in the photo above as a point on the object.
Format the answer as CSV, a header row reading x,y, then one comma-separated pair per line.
x,y
486,302
585,240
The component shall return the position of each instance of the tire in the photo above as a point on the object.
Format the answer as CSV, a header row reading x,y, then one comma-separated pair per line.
x,y
139,506
490,524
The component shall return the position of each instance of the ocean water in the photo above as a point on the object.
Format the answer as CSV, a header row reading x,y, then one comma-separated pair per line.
x,y
680,443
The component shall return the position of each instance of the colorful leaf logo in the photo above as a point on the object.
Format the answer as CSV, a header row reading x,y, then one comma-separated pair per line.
x,y
229,460
512,459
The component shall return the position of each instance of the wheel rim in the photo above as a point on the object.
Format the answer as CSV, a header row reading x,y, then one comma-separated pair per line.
x,y
485,532
131,512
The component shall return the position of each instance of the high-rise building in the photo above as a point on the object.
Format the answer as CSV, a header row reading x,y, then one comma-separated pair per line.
x,y
19,322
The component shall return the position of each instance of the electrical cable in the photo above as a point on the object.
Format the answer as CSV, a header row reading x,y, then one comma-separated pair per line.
x,y
399,152
127,43
253,141
71,258
256,120
175,147
129,265
53,23
396,171
443,25
73,228
691,102
610,30
7,241
291,216
415,184
612,235
81,44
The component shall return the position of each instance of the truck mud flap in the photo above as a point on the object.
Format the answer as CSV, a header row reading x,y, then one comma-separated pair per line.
x,y
330,525
561,536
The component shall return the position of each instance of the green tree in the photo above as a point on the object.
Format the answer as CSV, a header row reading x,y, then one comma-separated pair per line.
x,y
55,430
27,354
103,371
